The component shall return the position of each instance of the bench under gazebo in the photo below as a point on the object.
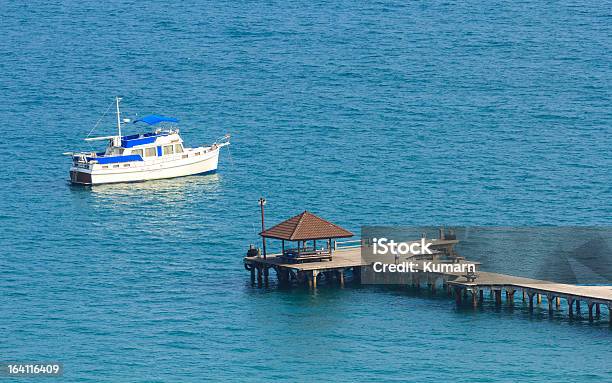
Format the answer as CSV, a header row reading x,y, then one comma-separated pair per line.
x,y
303,231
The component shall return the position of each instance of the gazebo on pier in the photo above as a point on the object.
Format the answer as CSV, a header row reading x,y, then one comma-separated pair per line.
x,y
305,229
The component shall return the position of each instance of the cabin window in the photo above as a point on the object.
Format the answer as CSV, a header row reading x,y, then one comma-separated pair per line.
x,y
150,152
168,150
137,152
126,165
178,148
104,166
115,166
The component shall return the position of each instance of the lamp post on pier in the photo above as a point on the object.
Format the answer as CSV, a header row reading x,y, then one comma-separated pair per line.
x,y
262,202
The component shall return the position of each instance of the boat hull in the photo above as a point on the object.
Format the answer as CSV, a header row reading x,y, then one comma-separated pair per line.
x,y
146,170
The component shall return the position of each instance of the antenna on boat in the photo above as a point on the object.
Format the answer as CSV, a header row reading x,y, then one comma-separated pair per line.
x,y
118,117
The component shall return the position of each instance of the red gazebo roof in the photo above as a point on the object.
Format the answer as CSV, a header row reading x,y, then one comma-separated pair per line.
x,y
305,226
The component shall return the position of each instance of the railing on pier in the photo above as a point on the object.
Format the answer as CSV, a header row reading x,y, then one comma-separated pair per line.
x,y
352,244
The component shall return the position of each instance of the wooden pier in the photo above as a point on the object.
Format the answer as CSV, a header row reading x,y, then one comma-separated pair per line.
x,y
496,284
348,260
307,264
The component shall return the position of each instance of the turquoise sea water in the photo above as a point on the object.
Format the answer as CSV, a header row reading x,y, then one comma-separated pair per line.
x,y
475,113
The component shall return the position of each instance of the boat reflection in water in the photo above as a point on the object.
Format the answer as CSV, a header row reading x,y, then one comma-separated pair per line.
x,y
171,209
172,191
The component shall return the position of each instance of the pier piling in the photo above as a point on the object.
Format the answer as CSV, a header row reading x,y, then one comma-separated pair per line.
x,y
341,277
458,294
549,300
510,296
498,297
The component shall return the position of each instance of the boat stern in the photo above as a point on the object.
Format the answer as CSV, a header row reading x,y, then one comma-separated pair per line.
x,y
80,176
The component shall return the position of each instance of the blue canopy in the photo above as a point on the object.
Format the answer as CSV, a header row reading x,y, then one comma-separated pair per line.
x,y
153,119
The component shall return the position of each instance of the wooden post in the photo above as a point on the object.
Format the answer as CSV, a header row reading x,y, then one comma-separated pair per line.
x,y
577,306
530,294
265,273
262,202
510,296
558,302
283,246
357,273
597,310
523,295
498,297
590,304
539,298
481,293
341,277
474,297
570,304
458,295
259,275
283,276
314,274
252,274
549,299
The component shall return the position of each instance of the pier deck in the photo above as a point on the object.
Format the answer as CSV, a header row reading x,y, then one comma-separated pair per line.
x,y
342,258
350,258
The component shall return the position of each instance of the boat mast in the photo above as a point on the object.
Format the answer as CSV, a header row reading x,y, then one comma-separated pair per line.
x,y
118,118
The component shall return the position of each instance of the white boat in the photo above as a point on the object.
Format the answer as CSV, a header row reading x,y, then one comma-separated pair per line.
x,y
142,157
